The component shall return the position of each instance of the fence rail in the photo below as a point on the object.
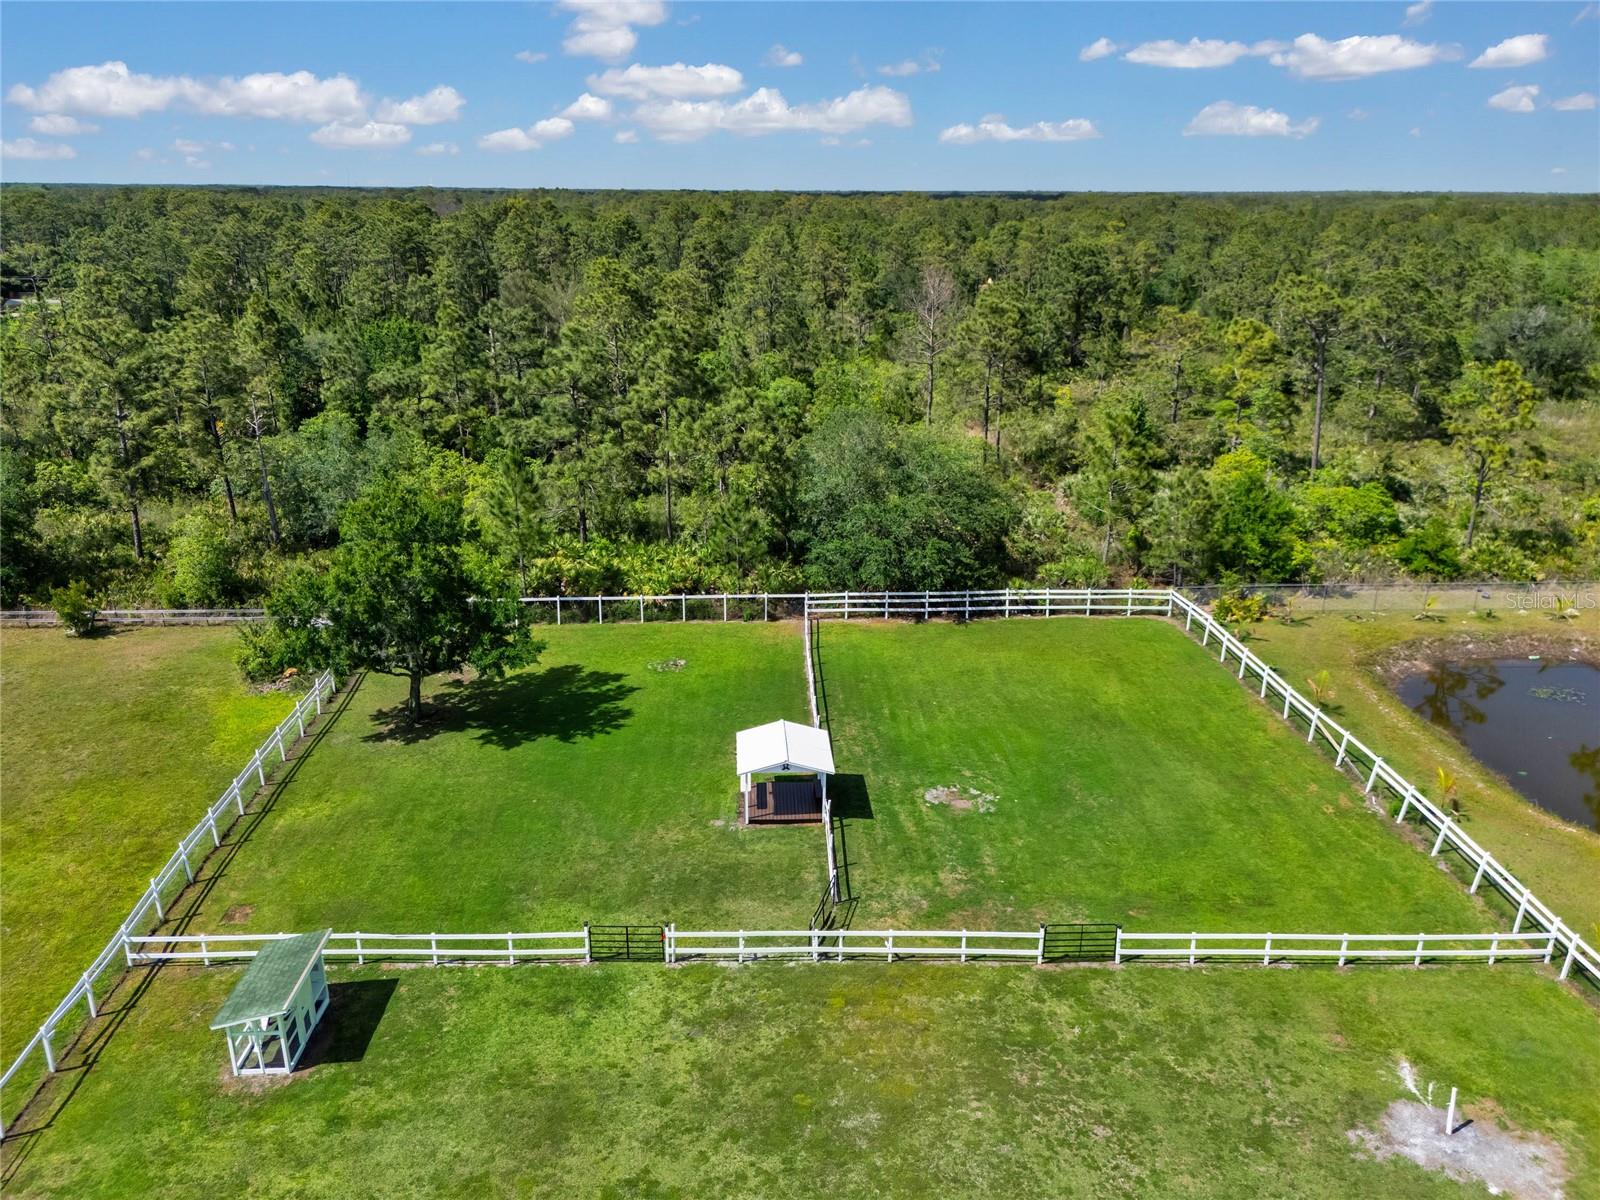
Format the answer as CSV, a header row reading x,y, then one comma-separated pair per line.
x,y
140,616
841,944
173,877
436,948
1415,948
1349,750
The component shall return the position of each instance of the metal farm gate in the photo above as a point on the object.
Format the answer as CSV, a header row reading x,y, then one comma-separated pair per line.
x,y
627,943
1080,943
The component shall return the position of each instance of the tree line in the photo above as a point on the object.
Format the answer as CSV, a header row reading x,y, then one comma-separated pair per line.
x,y
702,391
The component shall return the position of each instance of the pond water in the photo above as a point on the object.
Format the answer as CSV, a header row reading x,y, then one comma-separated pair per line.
x,y
1536,721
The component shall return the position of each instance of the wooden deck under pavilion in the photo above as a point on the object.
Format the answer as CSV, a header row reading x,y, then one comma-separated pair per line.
x,y
783,802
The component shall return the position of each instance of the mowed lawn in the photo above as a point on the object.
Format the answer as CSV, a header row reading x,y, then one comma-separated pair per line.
x,y
1126,777
862,1080
596,786
110,750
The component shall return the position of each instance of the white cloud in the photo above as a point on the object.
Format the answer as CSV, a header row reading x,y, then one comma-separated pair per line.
x,y
530,56
626,137
144,154
111,90
677,81
1417,13
781,56
994,129
1515,99
765,111
60,125
1312,57
1516,51
911,66
185,146
433,148
36,151
1099,48
1227,119
195,161
1558,170
365,135
535,137
1196,53
603,29
1582,102
431,108
588,107
1358,114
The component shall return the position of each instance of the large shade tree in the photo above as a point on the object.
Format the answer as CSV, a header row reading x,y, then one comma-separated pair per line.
x,y
409,590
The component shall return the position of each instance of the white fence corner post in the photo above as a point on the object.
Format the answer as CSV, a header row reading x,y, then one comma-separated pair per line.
x,y
88,994
588,945
1116,952
1041,945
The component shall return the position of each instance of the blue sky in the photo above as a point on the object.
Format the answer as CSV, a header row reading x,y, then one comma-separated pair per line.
x,y
648,93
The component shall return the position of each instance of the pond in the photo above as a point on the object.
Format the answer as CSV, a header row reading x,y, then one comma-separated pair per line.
x,y
1536,721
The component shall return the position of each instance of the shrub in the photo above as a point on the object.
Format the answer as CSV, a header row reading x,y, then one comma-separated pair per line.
x,y
1233,607
74,608
202,563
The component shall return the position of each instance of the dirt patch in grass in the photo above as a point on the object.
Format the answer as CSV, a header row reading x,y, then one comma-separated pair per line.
x,y
238,914
959,798
669,664
1529,1166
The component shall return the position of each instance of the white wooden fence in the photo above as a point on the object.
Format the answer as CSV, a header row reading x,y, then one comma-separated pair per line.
x,y
1267,948
140,616
1348,750
435,949
172,878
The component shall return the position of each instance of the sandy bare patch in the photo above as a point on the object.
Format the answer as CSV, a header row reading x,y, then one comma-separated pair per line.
x,y
238,914
1508,1162
959,798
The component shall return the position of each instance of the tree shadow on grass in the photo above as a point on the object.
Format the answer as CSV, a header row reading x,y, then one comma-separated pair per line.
x,y
566,703
354,1010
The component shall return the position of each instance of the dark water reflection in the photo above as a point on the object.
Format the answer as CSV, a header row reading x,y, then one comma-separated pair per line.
x,y
1537,722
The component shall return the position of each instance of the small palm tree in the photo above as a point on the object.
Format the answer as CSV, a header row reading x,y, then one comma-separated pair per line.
x,y
1426,613
1566,609
1321,685
1449,789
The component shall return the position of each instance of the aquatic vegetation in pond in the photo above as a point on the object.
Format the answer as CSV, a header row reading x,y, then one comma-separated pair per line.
x,y
1537,722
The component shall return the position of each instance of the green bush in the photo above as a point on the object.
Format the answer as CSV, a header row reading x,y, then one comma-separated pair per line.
x,y
202,565
1233,607
74,608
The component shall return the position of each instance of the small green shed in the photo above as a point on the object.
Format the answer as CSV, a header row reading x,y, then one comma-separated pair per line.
x,y
269,1016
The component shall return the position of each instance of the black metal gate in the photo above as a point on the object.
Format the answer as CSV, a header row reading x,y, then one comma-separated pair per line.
x,y
627,943
1080,943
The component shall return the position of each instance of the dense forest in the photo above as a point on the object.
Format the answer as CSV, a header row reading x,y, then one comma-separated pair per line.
x,y
698,391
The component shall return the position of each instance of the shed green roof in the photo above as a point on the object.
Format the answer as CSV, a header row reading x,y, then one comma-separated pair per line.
x,y
272,978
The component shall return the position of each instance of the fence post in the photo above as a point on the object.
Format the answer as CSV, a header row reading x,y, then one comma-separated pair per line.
x,y
1550,944
1494,946
1315,717
601,600
216,838
1344,745
588,946
155,897
1008,602
1422,939
1522,911
205,954
261,781
49,1050
683,607
765,600
558,610
1483,865
724,607
1265,676
1439,841
963,945
1116,952
1572,952
814,955
1041,945
1193,938
88,994
433,945
283,755
511,954
889,943
641,610
1344,948
741,945
184,855
1287,693
361,958
1266,957
1373,778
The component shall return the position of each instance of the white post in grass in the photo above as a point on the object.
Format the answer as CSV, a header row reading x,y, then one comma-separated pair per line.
x,y
1377,763
558,610
1522,911
1422,940
1041,945
511,955
1116,952
1344,746
1494,948
155,898
49,1050
588,946
88,994
205,954
1483,865
683,608
1193,939
1450,1115
1266,957
602,603
1572,953
1439,841
1344,947
1315,717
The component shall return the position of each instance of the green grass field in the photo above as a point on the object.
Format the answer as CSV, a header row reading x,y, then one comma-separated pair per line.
x,y
110,750
588,788
1133,781
595,788
1123,777
863,1080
